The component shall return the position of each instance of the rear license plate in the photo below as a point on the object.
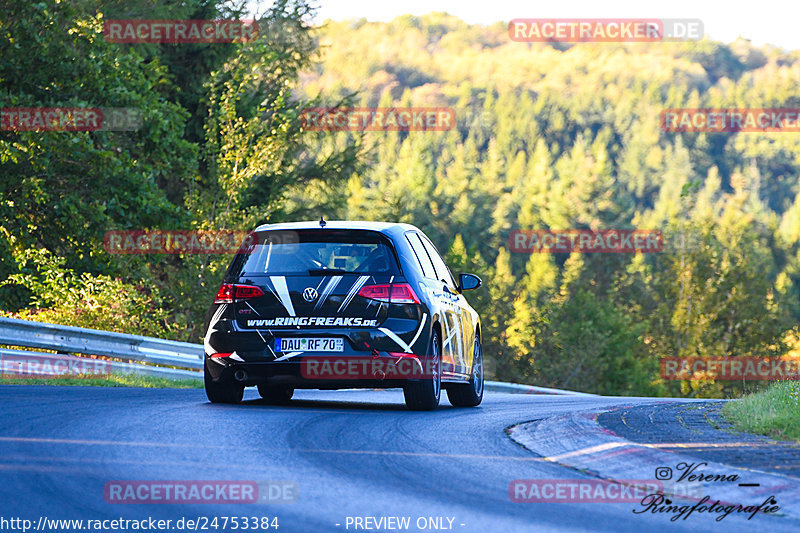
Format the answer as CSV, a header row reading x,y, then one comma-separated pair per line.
x,y
309,344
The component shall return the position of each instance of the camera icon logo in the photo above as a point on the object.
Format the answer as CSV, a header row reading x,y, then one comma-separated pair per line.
x,y
663,473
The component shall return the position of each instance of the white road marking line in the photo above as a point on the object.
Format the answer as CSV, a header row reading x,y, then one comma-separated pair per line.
x,y
288,450
612,445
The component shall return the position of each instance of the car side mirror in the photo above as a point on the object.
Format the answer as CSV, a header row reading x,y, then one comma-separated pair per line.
x,y
467,282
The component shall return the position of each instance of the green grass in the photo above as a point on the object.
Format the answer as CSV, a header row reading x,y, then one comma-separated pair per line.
x,y
112,380
774,412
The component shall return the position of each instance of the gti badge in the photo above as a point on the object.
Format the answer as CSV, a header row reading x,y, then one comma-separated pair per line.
x,y
310,294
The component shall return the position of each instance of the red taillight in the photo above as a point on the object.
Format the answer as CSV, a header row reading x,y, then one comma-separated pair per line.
x,y
224,294
219,355
243,292
398,293
229,292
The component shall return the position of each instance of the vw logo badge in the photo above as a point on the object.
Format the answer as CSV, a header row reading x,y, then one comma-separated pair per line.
x,y
310,294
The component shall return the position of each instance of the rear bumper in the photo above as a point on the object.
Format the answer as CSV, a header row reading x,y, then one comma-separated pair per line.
x,y
324,371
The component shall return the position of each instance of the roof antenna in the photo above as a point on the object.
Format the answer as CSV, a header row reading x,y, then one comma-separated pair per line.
x,y
322,221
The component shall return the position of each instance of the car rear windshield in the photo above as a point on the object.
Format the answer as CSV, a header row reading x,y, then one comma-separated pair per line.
x,y
315,252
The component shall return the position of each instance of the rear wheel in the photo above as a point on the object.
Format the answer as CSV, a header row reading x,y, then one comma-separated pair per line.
x,y
277,394
424,394
469,394
222,391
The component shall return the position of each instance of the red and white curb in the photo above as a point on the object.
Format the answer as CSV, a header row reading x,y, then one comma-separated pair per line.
x,y
577,441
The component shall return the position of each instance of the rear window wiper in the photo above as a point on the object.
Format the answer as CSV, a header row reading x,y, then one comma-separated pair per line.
x,y
326,271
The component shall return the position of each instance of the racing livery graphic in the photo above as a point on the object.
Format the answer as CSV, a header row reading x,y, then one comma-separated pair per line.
x,y
340,292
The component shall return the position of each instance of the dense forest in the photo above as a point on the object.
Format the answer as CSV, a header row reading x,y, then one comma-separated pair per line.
x,y
548,135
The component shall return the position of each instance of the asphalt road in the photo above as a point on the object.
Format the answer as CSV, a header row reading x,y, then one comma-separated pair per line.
x,y
350,454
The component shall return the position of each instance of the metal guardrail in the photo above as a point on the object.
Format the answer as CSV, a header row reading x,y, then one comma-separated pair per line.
x,y
69,339
37,364
73,340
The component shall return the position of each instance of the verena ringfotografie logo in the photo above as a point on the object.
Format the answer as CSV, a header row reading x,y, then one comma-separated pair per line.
x,y
176,242
585,241
396,366
202,492
583,30
659,504
730,368
70,119
179,31
695,478
378,118
52,366
728,120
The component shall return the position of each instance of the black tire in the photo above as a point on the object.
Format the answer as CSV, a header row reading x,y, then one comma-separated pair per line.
x,y
277,394
469,394
424,394
222,391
